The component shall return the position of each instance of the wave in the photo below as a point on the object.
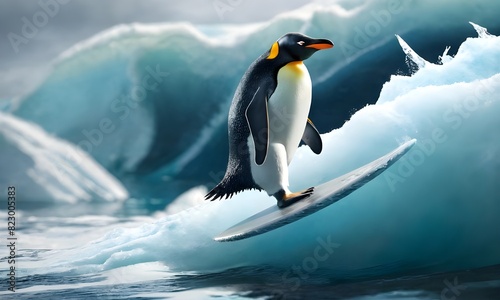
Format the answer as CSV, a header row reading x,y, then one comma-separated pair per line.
x,y
435,210
44,168
138,97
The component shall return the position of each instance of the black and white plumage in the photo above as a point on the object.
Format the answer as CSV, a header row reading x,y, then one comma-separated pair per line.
x,y
268,118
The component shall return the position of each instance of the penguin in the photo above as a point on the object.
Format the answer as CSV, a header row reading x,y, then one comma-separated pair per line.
x,y
267,120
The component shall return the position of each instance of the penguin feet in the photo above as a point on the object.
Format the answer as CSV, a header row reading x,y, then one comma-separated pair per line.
x,y
287,199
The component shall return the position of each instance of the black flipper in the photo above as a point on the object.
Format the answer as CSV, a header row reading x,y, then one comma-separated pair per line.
x,y
258,122
312,138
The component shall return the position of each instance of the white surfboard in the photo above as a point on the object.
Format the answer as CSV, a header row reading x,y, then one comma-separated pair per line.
x,y
323,195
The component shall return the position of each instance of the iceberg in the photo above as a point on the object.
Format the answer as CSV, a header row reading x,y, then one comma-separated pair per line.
x,y
435,210
46,169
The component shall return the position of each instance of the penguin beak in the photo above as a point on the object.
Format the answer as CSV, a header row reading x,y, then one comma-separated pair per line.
x,y
320,44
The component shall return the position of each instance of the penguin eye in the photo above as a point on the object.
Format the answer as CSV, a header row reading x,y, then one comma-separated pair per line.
x,y
301,43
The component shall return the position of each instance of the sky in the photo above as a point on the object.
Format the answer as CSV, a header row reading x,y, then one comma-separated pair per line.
x,y
35,32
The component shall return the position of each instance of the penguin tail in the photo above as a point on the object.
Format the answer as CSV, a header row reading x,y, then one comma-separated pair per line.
x,y
218,192
227,189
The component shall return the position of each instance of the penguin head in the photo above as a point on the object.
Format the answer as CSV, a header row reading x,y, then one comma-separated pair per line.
x,y
297,47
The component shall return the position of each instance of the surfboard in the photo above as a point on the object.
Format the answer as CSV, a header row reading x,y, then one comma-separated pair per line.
x,y
323,196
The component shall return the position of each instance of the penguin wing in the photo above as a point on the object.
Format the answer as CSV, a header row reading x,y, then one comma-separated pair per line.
x,y
312,138
258,122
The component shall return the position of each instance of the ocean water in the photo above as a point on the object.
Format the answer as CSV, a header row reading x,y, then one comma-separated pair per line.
x,y
110,167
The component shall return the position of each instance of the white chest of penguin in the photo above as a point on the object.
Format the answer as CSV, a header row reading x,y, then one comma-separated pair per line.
x,y
289,106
